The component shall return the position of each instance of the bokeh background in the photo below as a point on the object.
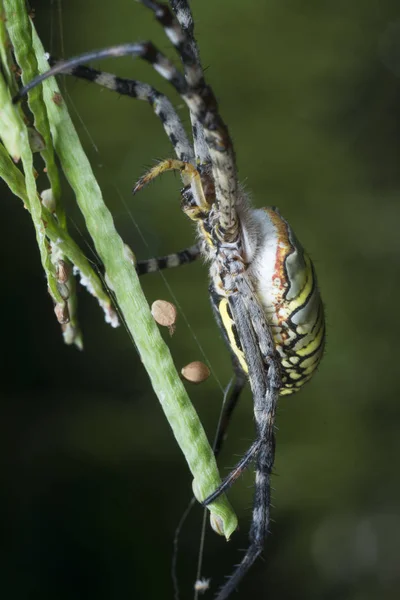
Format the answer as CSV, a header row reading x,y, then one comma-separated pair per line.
x,y
93,483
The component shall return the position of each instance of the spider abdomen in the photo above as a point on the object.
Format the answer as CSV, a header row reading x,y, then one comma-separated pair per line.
x,y
286,284
284,279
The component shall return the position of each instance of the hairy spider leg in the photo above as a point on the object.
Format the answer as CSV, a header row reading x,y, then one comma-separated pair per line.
x,y
161,106
189,173
180,32
265,383
235,472
204,113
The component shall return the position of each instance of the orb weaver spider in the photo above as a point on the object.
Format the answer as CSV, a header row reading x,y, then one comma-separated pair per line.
x,y
263,287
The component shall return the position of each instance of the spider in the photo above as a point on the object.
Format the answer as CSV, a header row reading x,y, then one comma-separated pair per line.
x,y
263,287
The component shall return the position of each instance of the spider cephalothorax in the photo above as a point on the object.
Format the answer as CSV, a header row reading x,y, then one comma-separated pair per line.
x,y
263,287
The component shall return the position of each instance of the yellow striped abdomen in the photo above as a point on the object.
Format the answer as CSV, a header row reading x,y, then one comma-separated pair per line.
x,y
285,282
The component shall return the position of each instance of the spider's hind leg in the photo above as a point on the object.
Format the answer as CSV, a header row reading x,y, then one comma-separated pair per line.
x,y
265,380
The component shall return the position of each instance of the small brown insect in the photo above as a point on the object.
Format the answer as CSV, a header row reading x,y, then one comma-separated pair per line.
x,y
164,314
196,372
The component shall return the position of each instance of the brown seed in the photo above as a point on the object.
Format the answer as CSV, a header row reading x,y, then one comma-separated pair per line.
x,y
164,314
196,372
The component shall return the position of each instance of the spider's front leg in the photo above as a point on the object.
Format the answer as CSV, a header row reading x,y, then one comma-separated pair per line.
x,y
194,201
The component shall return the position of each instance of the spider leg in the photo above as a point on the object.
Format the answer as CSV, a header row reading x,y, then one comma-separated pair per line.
x,y
208,127
194,202
265,382
234,473
180,31
205,108
222,307
260,518
263,374
162,108
142,91
263,369
177,259
144,50
189,173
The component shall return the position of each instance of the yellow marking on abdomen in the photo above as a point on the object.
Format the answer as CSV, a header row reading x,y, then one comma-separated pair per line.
x,y
229,325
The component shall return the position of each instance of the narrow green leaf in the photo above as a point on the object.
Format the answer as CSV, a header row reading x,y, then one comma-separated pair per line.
x,y
120,273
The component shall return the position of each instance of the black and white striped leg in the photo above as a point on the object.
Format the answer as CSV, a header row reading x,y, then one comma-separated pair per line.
x,y
177,259
144,50
180,31
220,146
142,91
214,141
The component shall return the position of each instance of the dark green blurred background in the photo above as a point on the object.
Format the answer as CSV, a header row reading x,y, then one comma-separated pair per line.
x,y
93,482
